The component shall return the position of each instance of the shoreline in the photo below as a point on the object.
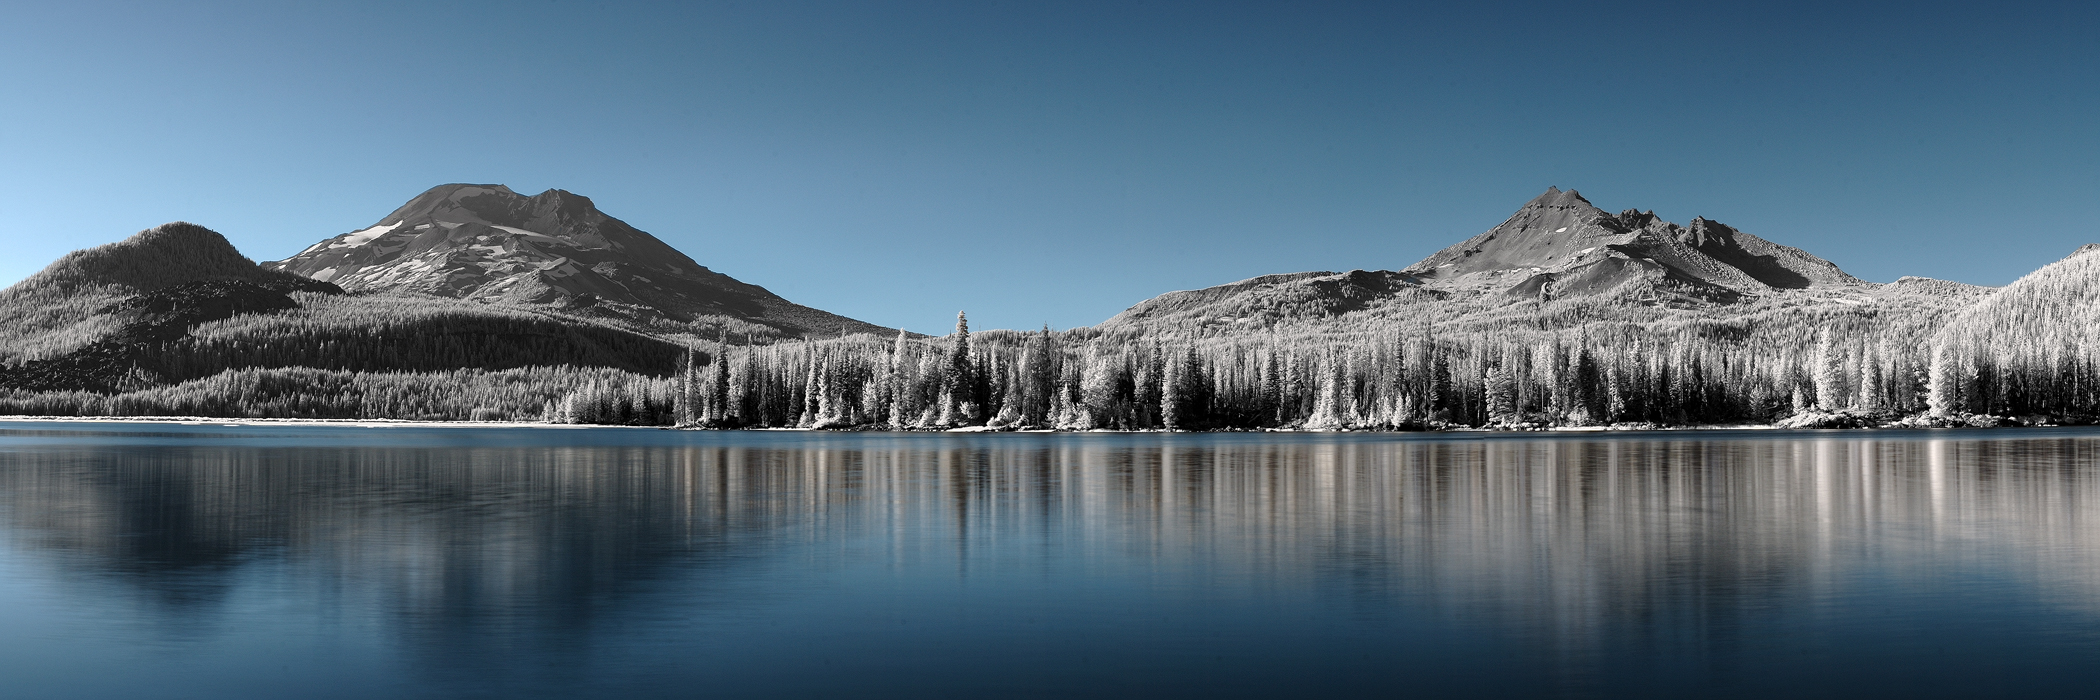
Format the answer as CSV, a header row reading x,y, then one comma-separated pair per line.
x,y
329,422
404,423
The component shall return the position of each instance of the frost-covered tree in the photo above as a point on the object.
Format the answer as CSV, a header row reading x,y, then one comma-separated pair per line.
x,y
1942,384
1501,390
957,403
1826,366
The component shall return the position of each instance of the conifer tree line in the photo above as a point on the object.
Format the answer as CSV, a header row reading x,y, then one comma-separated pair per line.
x,y
1400,377
2029,353
2022,360
562,394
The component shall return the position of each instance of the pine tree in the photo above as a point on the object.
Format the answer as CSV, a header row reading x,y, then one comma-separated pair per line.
x,y
957,381
684,408
1871,386
1826,363
1501,395
1941,383
898,385
1171,399
717,406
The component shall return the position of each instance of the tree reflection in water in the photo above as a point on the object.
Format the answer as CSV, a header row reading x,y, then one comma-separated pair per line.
x,y
535,560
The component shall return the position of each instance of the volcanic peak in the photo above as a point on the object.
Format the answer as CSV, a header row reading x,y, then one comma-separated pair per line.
x,y
1559,244
555,248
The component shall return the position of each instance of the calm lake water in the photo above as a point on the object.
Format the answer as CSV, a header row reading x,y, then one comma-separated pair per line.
x,y
162,561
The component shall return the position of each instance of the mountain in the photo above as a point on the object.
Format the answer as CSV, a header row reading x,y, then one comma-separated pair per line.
x,y
552,249
469,300
69,304
178,302
1557,246
1561,316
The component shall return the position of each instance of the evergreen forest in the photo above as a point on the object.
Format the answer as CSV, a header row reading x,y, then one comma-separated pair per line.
x,y
1916,353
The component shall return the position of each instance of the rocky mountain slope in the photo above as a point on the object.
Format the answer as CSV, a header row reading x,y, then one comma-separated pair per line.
x,y
1557,247
1560,245
553,249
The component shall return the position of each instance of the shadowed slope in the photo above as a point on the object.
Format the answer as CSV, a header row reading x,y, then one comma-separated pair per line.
x,y
63,306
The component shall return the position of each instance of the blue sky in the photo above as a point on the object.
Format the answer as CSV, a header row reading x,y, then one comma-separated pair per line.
x,y
1057,162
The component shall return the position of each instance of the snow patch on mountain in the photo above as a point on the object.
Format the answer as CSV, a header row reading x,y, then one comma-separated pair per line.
x,y
358,238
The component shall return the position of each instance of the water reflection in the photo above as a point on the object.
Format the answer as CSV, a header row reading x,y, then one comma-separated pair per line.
x,y
484,556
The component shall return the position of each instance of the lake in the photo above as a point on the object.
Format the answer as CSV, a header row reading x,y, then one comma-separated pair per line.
x,y
178,561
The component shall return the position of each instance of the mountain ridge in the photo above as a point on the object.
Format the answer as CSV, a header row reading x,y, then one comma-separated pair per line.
x,y
1560,242
1556,246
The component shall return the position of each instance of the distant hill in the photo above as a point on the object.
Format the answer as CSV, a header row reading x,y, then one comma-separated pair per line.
x,y
2060,299
156,258
554,249
63,307
1270,299
1940,288
2029,349
178,302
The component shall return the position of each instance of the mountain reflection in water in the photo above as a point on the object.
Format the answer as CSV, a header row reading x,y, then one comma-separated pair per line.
x,y
160,561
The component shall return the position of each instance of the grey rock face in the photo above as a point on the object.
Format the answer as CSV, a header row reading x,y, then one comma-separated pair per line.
x,y
555,249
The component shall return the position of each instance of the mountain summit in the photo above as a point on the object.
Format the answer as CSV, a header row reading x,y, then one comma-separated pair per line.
x,y
554,248
1559,244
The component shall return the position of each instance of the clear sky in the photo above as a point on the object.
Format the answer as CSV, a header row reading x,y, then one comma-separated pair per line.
x,y
1056,162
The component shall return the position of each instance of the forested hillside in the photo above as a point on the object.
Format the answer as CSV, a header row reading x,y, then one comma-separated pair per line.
x,y
2030,349
68,304
1858,360
159,320
1563,315
1707,326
